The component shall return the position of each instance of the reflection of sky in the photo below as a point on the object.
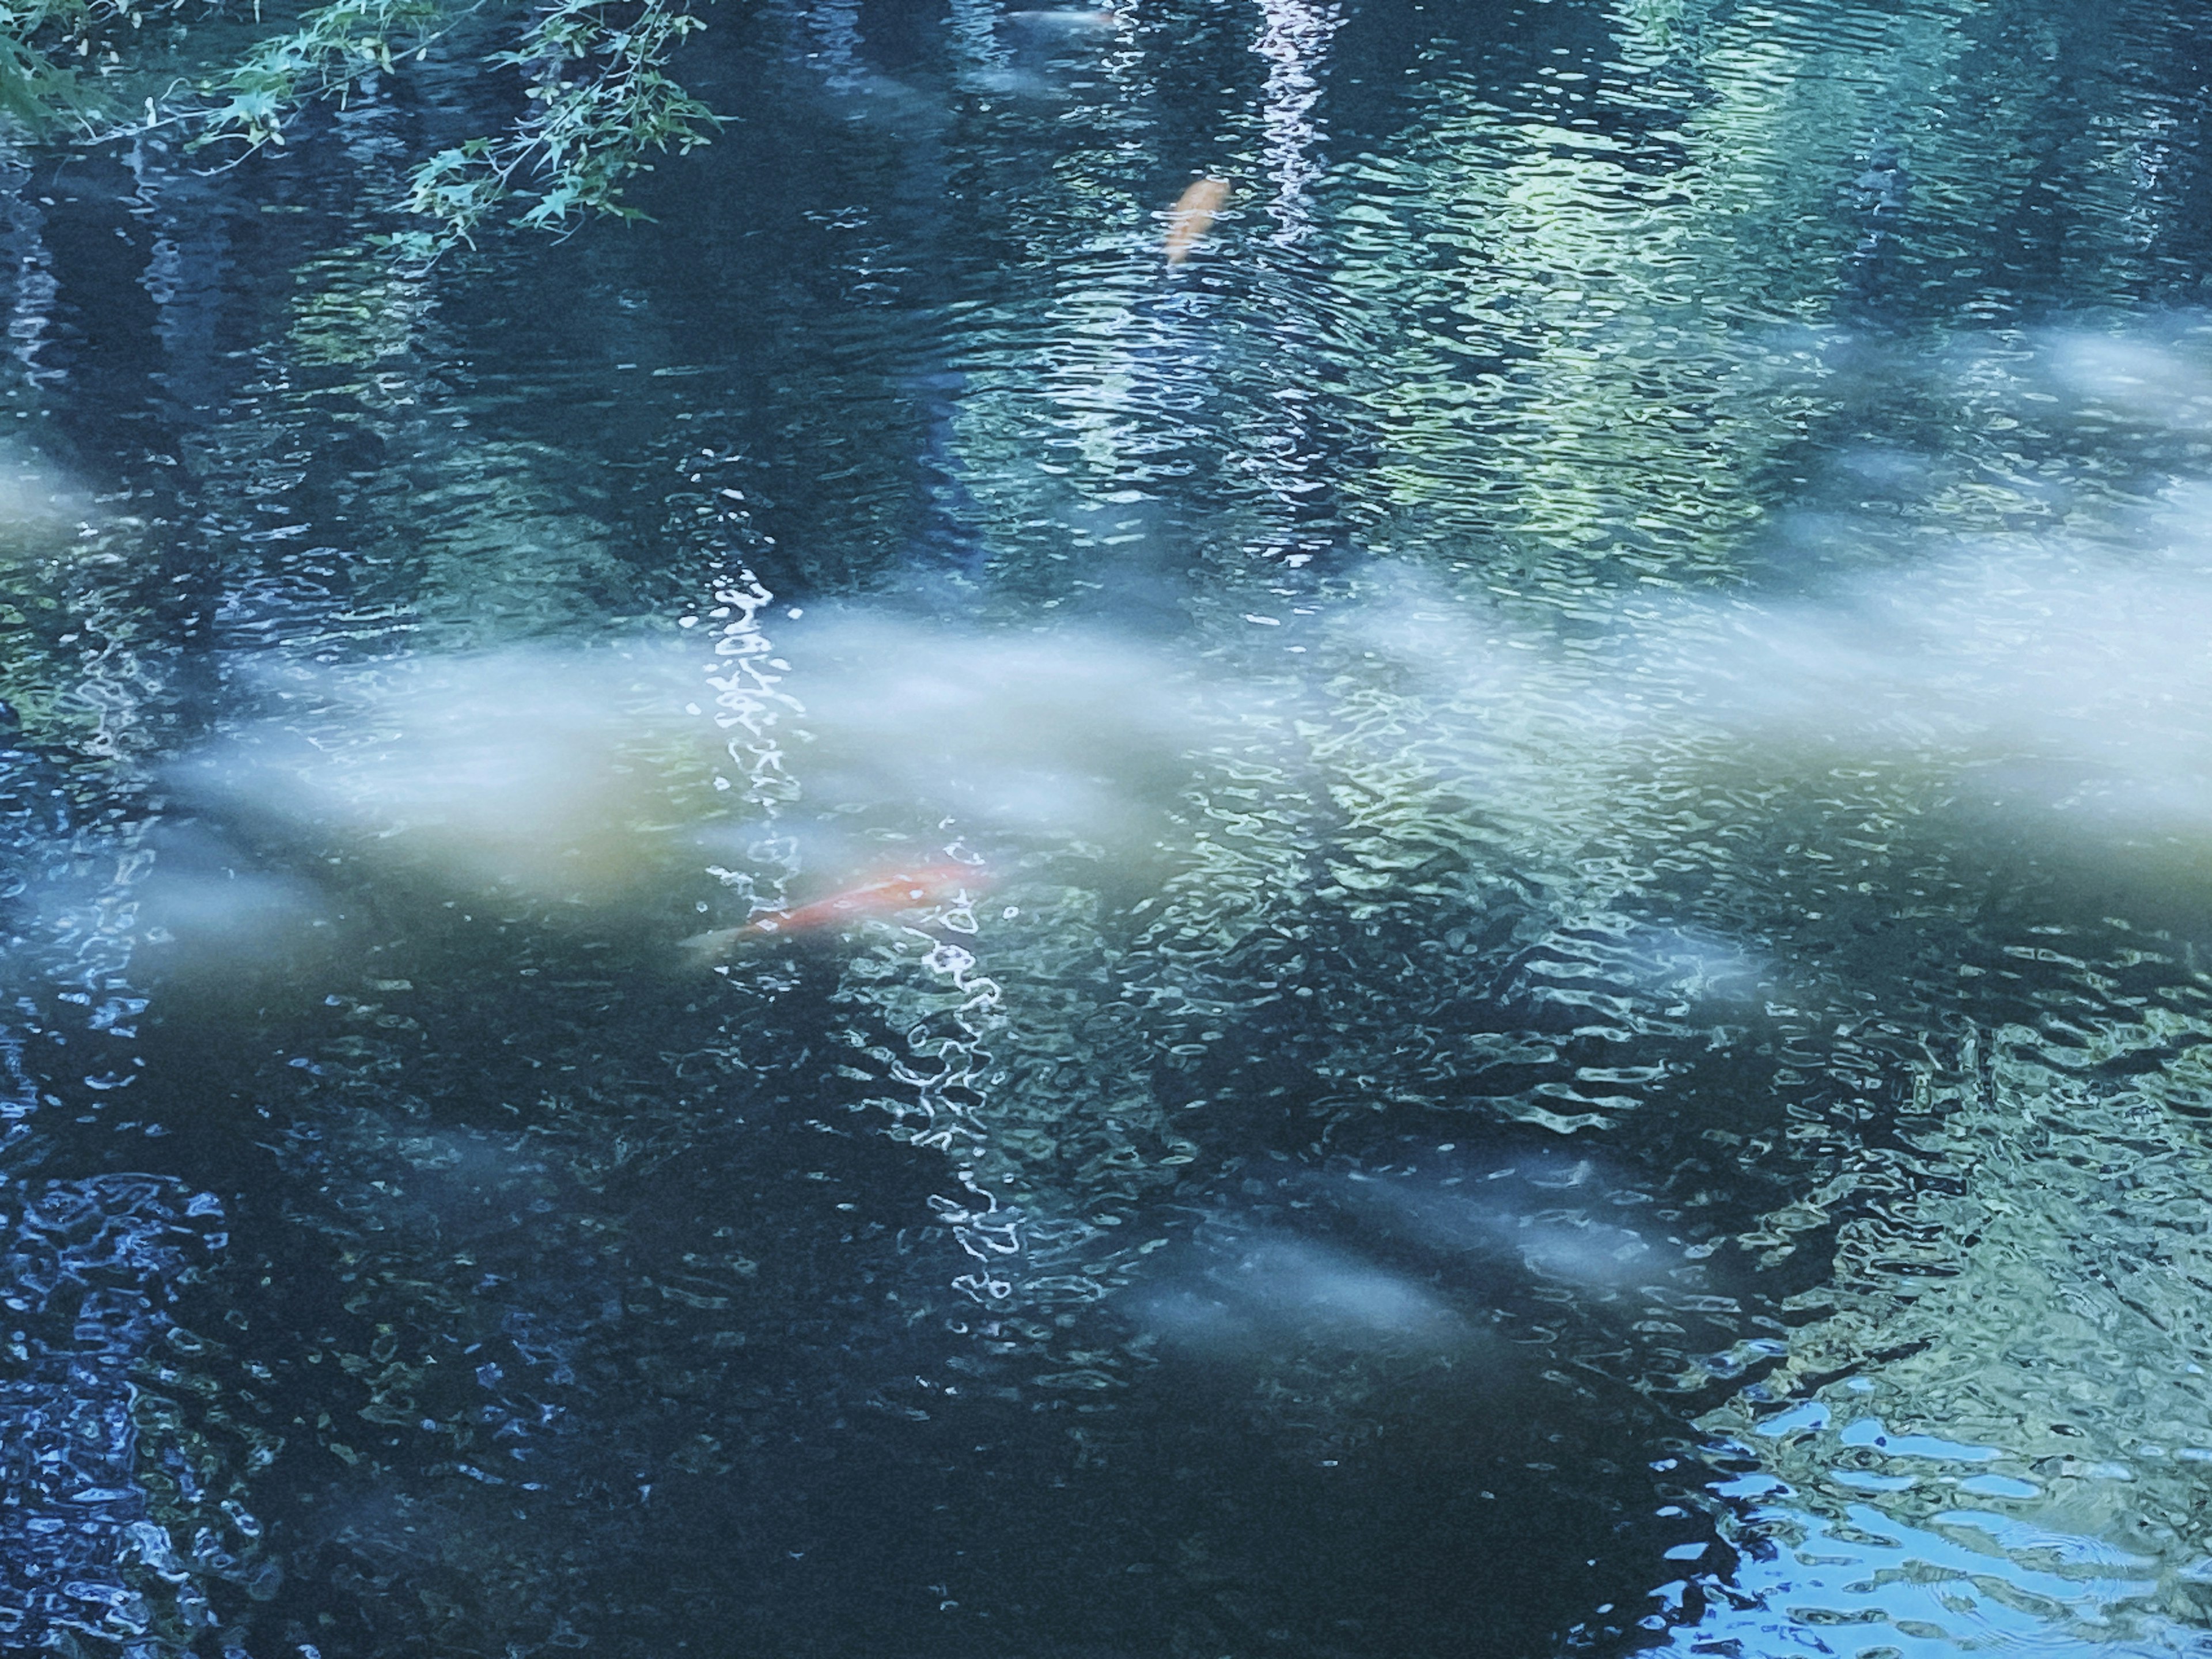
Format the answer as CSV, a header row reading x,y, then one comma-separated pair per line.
x,y
1864,1582
2023,1470
834,25
1295,38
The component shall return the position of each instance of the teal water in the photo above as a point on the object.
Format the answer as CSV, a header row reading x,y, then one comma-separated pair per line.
x,y
1526,854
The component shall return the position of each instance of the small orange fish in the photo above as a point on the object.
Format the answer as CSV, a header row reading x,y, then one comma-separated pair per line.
x,y
895,889
1195,210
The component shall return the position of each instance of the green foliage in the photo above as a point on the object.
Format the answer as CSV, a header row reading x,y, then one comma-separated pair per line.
x,y
600,98
43,43
325,51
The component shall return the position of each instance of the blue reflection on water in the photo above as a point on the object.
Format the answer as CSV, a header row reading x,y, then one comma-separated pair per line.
x,y
91,1266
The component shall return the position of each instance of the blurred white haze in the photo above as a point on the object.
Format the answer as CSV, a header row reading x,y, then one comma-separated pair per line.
x,y
1407,1266
2056,681
589,777
2065,689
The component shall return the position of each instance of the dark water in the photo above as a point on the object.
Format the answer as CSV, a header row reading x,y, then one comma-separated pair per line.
x,y
1569,794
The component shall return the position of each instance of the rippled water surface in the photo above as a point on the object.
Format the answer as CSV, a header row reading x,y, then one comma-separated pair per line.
x,y
858,924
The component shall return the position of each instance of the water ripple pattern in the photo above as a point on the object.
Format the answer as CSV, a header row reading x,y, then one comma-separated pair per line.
x,y
1466,915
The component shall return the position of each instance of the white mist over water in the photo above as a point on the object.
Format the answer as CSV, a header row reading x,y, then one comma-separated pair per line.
x,y
1275,1294
1648,648
2067,689
589,776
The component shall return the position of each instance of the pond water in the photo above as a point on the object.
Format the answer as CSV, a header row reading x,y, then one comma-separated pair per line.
x,y
858,923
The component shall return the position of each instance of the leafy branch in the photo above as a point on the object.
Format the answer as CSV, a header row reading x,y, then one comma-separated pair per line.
x,y
602,100
43,41
327,50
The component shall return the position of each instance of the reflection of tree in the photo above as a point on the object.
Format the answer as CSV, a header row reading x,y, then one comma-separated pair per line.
x,y
1601,325
1608,302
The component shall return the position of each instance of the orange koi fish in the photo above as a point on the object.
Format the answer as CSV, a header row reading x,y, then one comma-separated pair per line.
x,y
895,889
1195,210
